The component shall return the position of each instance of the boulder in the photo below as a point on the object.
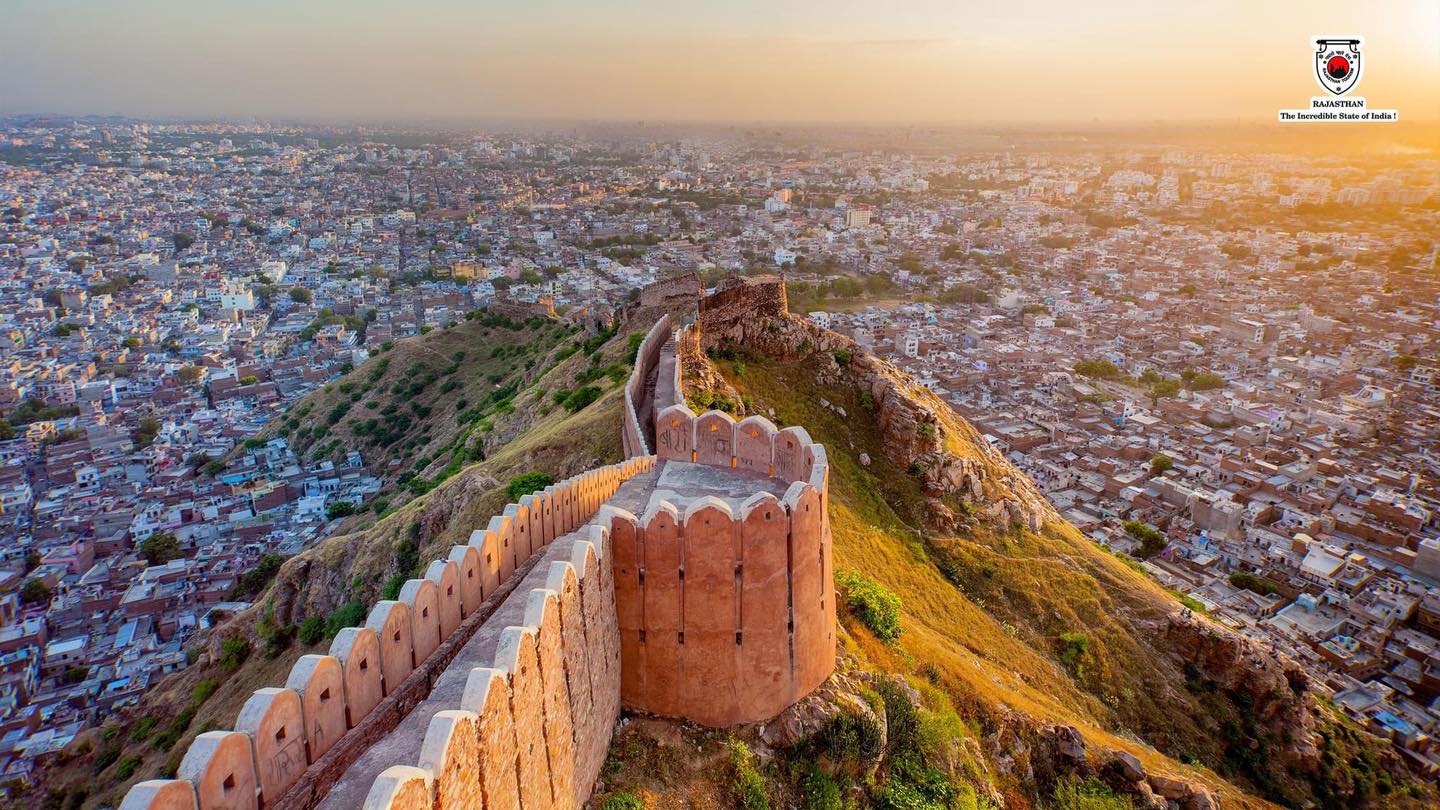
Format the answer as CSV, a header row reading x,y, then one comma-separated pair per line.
x,y
840,694
1169,786
1070,744
1129,767
1200,799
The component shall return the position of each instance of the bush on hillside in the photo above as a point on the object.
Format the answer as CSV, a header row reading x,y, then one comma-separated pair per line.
x,y
748,786
581,397
623,801
1092,794
1254,583
233,653
874,605
1074,647
526,483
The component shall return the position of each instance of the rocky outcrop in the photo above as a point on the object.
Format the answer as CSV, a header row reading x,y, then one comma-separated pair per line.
x,y
1044,754
700,376
920,433
842,693
1273,688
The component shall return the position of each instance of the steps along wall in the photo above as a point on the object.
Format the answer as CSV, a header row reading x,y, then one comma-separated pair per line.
x,y
632,438
727,616
364,686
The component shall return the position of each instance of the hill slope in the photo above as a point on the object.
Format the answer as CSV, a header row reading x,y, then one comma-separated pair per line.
x,y
1015,627
1028,657
451,464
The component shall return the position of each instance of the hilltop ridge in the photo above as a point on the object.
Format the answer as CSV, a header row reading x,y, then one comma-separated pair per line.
x,y
446,469
1028,660
1063,660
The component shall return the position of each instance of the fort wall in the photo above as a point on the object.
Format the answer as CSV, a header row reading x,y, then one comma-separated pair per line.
x,y
632,436
284,751
715,609
726,615
532,729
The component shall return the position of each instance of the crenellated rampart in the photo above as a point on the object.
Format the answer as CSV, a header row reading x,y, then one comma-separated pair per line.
x,y
726,605
283,751
496,679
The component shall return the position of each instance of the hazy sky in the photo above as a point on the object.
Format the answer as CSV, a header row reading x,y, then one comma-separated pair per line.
x,y
739,60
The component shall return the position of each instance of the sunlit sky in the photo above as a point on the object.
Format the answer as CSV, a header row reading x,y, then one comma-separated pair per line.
x,y
930,61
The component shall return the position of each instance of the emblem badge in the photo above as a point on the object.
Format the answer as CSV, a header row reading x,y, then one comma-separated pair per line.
x,y
1337,64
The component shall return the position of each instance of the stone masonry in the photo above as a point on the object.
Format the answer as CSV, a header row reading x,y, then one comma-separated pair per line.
x,y
497,679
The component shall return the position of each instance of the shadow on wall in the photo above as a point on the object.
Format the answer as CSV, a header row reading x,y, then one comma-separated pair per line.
x,y
281,732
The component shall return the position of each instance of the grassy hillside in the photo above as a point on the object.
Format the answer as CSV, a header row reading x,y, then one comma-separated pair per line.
x,y
1005,632
426,405
492,401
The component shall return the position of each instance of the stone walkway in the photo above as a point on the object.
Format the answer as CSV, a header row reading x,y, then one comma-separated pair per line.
x,y
677,482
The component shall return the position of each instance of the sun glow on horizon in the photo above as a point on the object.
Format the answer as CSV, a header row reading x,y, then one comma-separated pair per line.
x,y
929,61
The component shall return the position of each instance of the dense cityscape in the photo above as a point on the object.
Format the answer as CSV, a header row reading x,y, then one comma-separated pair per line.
x,y
1218,361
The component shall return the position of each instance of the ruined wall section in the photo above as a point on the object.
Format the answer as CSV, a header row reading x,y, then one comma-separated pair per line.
x,y
283,733
632,436
920,432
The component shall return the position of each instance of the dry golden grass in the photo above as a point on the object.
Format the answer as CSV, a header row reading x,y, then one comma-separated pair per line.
x,y
991,636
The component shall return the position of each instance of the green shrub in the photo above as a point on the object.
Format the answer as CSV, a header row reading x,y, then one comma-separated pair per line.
x,y
1074,647
526,483
277,637
392,587
254,581
748,787
623,801
175,730
233,653
1092,794
127,768
901,721
1152,540
820,791
203,690
1187,600
850,736
142,728
581,397
902,794
873,604
1254,583
938,732
350,614
312,630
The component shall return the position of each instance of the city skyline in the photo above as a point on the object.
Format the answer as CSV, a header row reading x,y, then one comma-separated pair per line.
x,y
792,63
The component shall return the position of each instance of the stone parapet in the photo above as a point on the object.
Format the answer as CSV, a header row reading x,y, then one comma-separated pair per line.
x,y
647,358
283,732
725,616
